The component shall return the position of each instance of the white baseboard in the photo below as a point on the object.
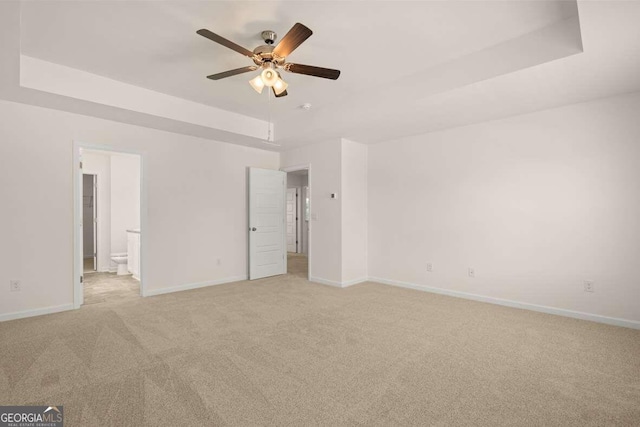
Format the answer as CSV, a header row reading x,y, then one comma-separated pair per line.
x,y
36,312
515,304
325,282
336,284
354,282
189,286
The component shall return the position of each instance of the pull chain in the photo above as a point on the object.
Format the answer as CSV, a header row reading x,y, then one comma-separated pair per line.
x,y
269,113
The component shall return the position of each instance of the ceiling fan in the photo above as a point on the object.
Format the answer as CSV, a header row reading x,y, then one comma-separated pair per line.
x,y
271,58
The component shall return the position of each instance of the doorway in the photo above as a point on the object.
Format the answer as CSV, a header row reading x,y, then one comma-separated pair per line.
x,y
298,222
109,219
90,222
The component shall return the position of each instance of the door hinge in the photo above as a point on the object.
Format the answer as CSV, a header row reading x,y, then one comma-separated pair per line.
x,y
81,279
80,165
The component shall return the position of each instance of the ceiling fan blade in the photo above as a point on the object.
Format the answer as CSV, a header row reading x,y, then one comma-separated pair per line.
x,y
309,70
224,42
230,73
294,38
283,93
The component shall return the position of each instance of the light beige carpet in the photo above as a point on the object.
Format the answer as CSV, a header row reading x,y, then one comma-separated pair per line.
x,y
283,351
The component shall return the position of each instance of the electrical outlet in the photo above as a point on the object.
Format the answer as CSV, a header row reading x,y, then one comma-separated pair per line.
x,y
429,267
14,285
588,286
472,272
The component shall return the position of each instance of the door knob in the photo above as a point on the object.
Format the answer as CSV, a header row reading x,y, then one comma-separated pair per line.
x,y
253,229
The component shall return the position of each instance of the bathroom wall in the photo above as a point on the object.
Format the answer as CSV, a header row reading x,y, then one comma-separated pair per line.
x,y
118,200
99,163
125,199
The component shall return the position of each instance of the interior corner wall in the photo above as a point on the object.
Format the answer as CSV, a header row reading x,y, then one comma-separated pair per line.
x,y
354,212
186,177
100,164
326,221
536,204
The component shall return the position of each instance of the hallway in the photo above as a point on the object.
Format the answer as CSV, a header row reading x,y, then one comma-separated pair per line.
x,y
298,265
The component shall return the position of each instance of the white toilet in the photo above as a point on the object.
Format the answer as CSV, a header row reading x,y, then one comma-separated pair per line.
x,y
121,262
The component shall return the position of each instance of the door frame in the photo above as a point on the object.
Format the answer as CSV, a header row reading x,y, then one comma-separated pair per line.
x,y
78,267
94,218
306,167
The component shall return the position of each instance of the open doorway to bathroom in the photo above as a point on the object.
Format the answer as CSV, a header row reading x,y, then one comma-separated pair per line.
x,y
108,249
298,222
90,224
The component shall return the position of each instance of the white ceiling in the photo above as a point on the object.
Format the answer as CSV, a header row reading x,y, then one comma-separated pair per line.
x,y
380,46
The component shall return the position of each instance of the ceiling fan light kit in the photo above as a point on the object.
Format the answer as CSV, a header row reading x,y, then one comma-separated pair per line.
x,y
257,84
280,86
271,58
269,77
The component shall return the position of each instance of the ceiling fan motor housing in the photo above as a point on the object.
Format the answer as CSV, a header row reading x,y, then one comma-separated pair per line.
x,y
264,56
268,36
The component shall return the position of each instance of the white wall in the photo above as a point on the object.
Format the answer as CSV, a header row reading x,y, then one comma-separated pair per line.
x,y
339,232
354,212
196,204
326,228
536,204
125,199
100,164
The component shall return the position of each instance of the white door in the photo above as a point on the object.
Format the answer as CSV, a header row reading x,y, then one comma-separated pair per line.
x,y
292,219
267,247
